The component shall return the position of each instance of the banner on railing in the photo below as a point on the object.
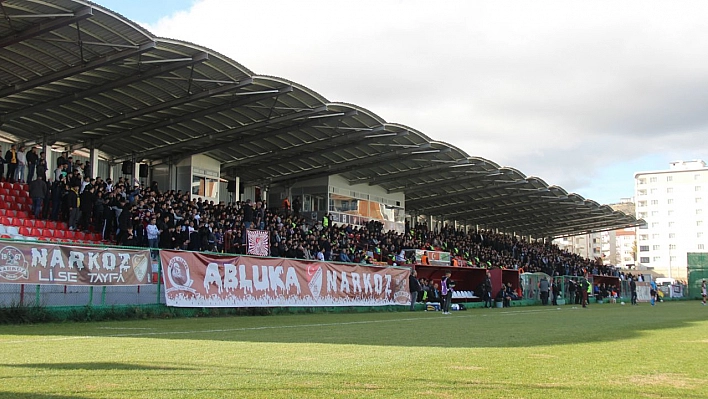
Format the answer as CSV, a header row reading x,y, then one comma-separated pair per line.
x,y
36,263
199,280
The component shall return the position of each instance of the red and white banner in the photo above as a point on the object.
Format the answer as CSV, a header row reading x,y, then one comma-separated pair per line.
x,y
35,263
258,242
200,280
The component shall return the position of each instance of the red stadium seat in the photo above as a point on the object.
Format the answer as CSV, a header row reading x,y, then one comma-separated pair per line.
x,y
5,191
28,222
40,224
47,233
3,211
80,235
24,231
60,234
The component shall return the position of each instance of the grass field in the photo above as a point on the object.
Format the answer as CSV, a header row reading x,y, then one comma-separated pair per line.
x,y
605,351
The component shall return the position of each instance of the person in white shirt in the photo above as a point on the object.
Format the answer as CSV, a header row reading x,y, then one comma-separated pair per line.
x,y
21,162
153,236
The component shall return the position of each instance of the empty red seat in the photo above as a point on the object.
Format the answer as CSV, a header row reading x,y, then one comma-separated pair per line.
x,y
24,231
60,234
4,191
28,222
3,211
23,212
51,224
35,232
47,233
40,224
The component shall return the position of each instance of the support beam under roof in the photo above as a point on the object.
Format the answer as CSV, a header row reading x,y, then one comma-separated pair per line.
x,y
77,69
44,27
114,84
176,147
70,133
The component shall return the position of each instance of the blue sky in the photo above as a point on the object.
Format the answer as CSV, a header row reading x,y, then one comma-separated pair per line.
x,y
580,94
146,11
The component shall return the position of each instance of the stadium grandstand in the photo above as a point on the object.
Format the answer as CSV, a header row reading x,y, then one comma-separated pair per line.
x,y
186,135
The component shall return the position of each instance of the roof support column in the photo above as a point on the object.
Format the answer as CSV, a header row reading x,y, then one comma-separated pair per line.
x,y
44,148
237,191
93,160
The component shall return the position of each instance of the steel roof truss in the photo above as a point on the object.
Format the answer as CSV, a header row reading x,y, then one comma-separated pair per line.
x,y
200,57
44,27
75,70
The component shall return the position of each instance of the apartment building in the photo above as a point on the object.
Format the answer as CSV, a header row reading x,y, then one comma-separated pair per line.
x,y
673,203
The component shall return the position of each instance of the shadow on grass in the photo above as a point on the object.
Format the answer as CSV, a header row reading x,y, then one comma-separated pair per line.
x,y
23,395
474,328
89,366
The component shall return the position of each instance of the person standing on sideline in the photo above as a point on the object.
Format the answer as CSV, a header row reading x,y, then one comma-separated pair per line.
x,y
586,288
555,291
414,287
633,290
704,291
487,291
446,289
653,292
544,286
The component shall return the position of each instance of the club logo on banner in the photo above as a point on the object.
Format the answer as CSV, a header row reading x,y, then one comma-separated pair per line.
x,y
205,280
258,242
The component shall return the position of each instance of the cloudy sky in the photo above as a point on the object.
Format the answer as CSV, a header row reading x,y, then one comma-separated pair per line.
x,y
580,94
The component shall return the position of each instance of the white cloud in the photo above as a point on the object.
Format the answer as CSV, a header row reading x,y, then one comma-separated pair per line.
x,y
556,89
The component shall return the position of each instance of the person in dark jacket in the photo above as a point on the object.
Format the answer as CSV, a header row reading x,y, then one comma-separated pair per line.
x,y
11,161
37,191
487,291
414,287
88,202
73,202
125,221
58,190
32,159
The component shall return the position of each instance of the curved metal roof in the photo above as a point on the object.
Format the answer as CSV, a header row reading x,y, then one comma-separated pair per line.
x,y
77,74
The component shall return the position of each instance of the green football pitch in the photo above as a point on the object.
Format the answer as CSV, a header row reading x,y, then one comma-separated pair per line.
x,y
605,351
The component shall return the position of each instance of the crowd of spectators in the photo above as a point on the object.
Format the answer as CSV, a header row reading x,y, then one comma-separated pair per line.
x,y
129,213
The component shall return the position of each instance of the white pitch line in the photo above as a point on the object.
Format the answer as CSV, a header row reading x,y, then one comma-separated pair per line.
x,y
222,330
125,328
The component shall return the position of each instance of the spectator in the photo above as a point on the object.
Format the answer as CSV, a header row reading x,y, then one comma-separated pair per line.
x,y
414,288
32,158
11,161
38,191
